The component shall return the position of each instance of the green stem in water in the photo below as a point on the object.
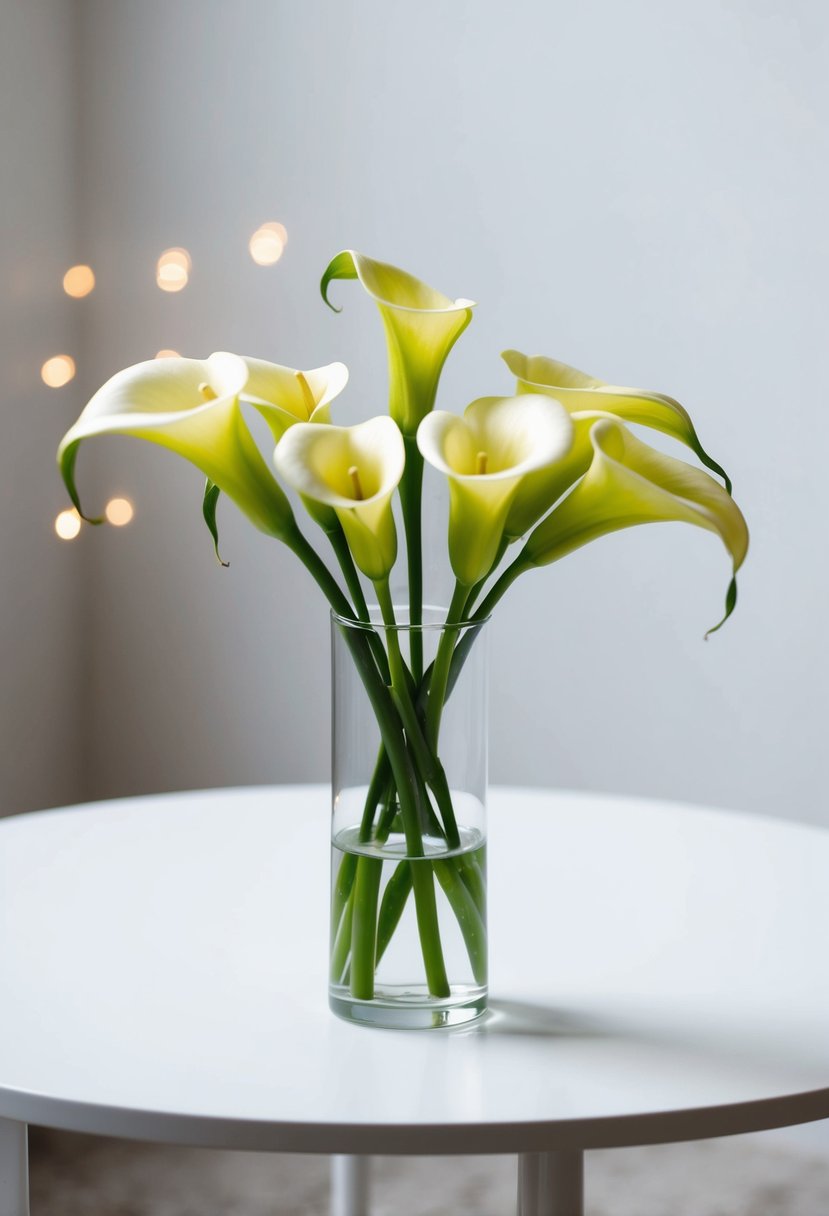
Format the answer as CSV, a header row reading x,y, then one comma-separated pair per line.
x,y
341,946
395,897
466,913
364,926
405,776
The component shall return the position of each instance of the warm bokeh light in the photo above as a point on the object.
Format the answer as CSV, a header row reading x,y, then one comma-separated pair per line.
x,y
119,511
171,277
167,354
78,281
173,269
268,243
177,256
58,371
68,524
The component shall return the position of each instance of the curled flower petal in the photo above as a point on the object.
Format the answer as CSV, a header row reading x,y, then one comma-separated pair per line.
x,y
284,396
422,325
354,470
190,406
579,392
486,456
630,483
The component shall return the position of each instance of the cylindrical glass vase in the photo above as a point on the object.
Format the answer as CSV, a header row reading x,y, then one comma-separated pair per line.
x,y
408,839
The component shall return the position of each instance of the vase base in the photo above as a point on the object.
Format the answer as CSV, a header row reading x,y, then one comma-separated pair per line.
x,y
409,1009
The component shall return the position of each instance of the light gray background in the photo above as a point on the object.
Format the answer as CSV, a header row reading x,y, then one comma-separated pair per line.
x,y
639,189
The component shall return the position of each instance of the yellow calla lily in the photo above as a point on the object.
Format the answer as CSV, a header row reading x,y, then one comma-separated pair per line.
x,y
630,483
579,392
422,325
486,456
354,470
190,406
284,396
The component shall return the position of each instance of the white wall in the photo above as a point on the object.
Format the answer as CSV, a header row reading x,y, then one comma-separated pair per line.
x,y
42,640
639,189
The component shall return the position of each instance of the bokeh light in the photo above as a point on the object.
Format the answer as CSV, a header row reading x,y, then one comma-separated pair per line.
x,y
268,243
58,371
119,511
68,524
172,270
167,354
78,281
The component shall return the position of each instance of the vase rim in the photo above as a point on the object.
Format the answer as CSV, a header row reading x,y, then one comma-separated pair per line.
x,y
436,612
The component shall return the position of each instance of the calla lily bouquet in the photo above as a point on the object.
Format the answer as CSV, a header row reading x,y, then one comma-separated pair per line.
x,y
531,476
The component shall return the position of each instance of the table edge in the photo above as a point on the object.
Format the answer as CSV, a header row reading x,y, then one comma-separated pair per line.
x,y
446,1139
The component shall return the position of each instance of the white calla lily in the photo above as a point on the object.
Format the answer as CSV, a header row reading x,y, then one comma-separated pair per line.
x,y
353,470
486,455
190,406
580,393
285,396
630,483
422,325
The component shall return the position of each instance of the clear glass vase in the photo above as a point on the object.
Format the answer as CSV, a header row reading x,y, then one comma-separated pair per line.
x,y
408,835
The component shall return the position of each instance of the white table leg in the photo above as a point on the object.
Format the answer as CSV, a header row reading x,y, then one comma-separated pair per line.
x,y
551,1184
349,1186
14,1169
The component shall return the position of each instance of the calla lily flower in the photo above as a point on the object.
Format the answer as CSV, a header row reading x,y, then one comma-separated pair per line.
x,y
422,325
630,483
190,406
354,470
284,396
579,392
486,456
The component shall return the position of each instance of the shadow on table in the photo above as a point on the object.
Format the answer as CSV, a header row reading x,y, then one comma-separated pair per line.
x,y
525,1018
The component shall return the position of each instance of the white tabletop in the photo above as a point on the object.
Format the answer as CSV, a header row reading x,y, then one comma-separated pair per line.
x,y
658,973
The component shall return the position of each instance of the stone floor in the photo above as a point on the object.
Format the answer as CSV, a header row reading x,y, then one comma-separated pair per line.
x,y
82,1176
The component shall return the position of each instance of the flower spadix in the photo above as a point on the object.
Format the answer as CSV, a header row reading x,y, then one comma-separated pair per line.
x,y
630,483
190,406
579,392
353,470
422,325
285,396
486,455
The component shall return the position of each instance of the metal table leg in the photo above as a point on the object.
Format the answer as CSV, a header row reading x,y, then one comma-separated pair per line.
x,y
551,1184
14,1169
349,1186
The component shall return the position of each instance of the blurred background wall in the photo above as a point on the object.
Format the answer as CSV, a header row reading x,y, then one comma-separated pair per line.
x,y
44,757
638,189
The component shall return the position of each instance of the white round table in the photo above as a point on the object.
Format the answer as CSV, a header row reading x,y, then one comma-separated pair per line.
x,y
658,973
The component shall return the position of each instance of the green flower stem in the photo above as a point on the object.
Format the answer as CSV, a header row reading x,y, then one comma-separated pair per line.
x,y
460,876
402,768
341,947
501,585
380,794
472,875
476,622
428,762
466,913
352,579
355,589
364,926
395,897
443,659
475,591
410,490
341,893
